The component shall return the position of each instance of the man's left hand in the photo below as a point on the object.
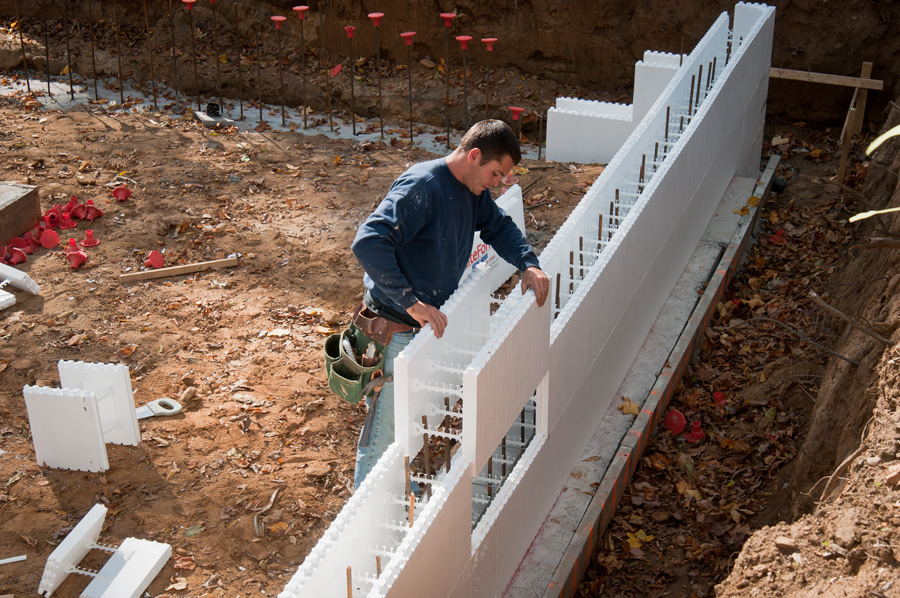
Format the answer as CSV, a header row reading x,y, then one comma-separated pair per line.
x,y
535,279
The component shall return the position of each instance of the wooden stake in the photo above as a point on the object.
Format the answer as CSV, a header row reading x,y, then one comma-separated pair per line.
x,y
412,508
349,582
558,276
377,567
691,98
177,270
571,272
581,257
447,455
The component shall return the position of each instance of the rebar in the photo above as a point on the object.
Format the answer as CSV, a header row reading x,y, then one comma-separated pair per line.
x,y
327,74
119,52
376,18
194,56
278,21
216,45
448,19
47,46
301,14
350,30
259,75
150,54
22,46
487,87
174,58
68,48
237,34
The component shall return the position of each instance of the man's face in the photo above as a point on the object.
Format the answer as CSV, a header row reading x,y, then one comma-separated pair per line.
x,y
481,176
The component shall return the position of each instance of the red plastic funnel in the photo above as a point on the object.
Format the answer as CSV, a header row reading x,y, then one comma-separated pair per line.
x,y
674,421
92,212
719,398
155,260
696,433
16,256
89,240
279,21
189,4
77,211
489,42
376,18
448,18
67,221
464,41
121,193
408,35
73,201
301,11
76,259
71,246
516,111
350,29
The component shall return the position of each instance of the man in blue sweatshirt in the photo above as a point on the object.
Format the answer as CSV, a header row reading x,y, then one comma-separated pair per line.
x,y
416,244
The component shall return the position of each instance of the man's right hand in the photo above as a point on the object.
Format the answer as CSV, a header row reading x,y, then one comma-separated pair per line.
x,y
427,314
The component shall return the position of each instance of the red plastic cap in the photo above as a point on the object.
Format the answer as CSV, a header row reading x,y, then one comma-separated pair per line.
x,y
350,29
696,433
49,239
189,4
155,260
76,259
336,70
376,18
674,421
516,111
719,398
448,18
464,41
278,20
301,11
489,42
16,256
408,35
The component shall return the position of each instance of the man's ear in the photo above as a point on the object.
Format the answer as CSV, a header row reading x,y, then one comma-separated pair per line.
x,y
474,156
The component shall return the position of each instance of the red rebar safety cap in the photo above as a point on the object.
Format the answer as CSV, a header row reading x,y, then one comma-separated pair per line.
x,y
516,111
464,41
189,4
448,18
489,42
278,20
408,35
350,29
301,11
376,18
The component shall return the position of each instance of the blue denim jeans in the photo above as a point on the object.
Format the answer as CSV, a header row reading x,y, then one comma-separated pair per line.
x,y
382,434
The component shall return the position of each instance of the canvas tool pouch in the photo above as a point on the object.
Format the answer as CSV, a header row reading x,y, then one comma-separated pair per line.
x,y
348,375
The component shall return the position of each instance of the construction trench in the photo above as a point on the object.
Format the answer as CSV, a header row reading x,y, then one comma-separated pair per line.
x,y
489,453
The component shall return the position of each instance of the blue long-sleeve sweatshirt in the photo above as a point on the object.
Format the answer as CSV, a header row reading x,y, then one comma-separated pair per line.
x,y
416,244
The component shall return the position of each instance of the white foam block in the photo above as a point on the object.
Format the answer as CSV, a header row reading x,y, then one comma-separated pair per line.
x,y
65,428
72,549
19,279
130,569
111,384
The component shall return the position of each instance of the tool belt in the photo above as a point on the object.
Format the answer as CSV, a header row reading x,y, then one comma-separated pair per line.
x,y
348,369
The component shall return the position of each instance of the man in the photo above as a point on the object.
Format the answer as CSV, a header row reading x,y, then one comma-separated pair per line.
x,y
416,244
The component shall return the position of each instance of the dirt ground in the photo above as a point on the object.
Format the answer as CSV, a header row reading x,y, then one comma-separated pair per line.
x,y
245,481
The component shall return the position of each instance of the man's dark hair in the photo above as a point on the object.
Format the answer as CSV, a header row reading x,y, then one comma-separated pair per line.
x,y
494,138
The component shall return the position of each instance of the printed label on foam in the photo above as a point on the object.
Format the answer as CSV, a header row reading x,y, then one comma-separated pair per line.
x,y
483,255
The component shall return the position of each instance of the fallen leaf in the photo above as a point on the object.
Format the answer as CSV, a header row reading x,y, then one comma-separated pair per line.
x,y
629,407
753,201
194,530
180,584
185,562
279,528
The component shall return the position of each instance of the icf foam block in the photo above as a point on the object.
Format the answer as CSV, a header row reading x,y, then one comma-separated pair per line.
x,y
111,384
65,428
129,570
484,257
72,549
503,377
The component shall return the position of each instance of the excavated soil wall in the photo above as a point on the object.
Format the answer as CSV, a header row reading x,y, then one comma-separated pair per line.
x,y
590,44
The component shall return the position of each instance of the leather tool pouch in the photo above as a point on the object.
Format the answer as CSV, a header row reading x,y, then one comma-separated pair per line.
x,y
349,374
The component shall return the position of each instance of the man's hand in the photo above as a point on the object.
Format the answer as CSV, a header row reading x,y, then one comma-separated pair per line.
x,y
427,314
534,278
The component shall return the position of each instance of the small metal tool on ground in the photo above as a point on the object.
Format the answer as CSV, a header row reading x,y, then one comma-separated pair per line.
x,y
158,408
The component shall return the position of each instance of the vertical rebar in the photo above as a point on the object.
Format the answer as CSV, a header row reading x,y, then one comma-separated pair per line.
x,y
350,29
279,21
600,235
426,446
327,75
216,46
448,20
709,74
301,13
376,20
540,135
119,52
408,35
699,81
490,476
558,281
522,429
22,46
190,5
581,258
713,70
174,58
691,98
150,54
571,272
503,458
68,48
47,46
489,43
240,50
259,75
464,45
406,479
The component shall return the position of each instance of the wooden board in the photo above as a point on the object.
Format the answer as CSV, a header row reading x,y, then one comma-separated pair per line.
x,y
178,270
859,82
20,210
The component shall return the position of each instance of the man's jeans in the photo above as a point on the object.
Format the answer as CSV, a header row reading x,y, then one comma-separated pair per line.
x,y
382,434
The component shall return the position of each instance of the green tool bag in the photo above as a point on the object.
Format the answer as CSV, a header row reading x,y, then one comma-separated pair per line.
x,y
348,374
